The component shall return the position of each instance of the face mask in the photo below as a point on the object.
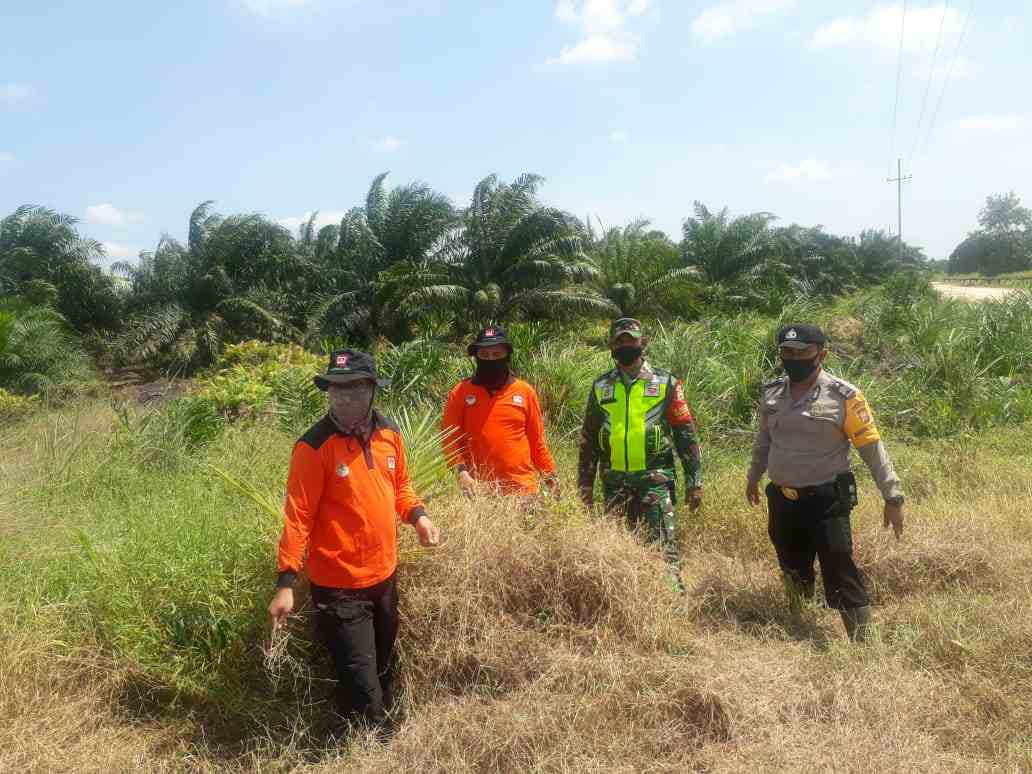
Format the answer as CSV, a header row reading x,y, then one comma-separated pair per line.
x,y
351,407
627,355
799,370
492,373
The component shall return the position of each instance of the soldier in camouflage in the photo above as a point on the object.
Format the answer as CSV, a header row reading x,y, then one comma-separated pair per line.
x,y
636,419
808,419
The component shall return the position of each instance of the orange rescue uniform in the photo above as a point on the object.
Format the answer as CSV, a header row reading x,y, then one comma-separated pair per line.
x,y
499,436
343,499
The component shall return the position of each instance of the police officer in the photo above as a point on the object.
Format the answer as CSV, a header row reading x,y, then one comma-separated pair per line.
x,y
807,421
635,420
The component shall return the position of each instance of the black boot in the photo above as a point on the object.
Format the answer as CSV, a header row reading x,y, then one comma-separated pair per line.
x,y
858,622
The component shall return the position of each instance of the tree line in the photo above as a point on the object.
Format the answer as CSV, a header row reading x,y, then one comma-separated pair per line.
x,y
408,260
1001,244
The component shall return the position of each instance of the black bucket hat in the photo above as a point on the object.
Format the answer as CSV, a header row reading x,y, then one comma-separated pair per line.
x,y
349,365
490,336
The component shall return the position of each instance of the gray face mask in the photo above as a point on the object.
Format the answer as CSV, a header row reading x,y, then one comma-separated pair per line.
x,y
351,405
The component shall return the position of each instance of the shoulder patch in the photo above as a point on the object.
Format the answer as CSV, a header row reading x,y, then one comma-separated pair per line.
x,y
845,389
319,433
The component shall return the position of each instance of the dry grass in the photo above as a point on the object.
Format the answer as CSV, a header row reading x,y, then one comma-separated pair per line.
x,y
553,642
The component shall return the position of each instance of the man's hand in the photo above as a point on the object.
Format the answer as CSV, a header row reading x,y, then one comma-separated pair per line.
x,y
428,533
466,483
553,487
752,493
281,606
694,498
894,516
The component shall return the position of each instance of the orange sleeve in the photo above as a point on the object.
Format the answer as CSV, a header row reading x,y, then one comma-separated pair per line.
x,y
678,412
454,438
304,490
406,504
859,422
539,453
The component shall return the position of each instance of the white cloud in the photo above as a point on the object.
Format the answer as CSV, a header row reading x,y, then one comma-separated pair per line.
x,y
107,214
387,144
324,218
880,29
618,137
6,158
119,252
269,7
807,171
723,19
1006,125
604,28
12,93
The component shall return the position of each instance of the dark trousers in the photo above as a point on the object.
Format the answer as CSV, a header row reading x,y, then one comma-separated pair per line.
x,y
359,627
816,526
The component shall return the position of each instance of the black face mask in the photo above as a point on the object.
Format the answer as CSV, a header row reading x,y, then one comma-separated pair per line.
x,y
800,370
626,355
492,374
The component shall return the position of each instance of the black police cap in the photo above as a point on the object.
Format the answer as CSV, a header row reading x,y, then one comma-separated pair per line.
x,y
800,336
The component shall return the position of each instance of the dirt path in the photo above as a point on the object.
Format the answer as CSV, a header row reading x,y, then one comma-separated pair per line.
x,y
972,292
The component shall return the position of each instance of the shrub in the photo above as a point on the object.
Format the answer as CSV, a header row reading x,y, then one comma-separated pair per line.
x,y
16,406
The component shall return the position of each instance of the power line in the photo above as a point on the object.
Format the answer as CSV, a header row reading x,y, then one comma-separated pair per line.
x,y
949,73
899,79
928,83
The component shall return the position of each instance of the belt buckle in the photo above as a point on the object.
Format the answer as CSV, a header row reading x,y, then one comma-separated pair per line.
x,y
790,493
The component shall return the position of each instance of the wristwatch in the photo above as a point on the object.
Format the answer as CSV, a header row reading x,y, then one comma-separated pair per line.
x,y
897,501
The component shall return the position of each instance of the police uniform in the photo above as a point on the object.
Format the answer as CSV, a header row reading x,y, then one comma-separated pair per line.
x,y
633,426
803,445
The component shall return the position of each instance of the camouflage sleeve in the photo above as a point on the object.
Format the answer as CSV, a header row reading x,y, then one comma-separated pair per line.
x,y
686,436
588,457
760,451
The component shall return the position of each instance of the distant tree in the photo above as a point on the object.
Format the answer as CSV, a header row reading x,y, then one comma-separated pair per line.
x,y
41,245
1002,244
726,249
640,270
510,256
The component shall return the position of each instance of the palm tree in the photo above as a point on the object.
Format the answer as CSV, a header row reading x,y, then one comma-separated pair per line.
x,y
38,244
380,249
510,256
226,284
727,249
38,351
639,270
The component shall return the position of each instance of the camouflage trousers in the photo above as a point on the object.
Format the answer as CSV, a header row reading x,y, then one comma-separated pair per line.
x,y
646,501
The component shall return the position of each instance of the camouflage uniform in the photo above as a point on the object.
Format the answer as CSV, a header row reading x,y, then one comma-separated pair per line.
x,y
632,429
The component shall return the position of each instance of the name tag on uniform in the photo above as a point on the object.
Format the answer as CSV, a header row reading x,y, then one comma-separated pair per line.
x,y
471,399
392,463
517,399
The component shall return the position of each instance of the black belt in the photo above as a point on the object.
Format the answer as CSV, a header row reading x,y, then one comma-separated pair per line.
x,y
799,492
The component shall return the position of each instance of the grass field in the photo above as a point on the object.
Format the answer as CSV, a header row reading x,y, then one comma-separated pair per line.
x,y
137,549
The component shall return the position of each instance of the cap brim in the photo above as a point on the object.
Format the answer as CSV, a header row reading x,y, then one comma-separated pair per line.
x,y
797,344
323,381
632,334
471,350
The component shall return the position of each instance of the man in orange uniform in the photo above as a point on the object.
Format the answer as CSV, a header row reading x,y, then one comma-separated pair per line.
x,y
493,424
348,484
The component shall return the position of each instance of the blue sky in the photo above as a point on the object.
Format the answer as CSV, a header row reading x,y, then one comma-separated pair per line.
x,y
128,114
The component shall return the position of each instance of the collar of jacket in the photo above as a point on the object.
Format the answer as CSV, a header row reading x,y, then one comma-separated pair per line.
x,y
645,373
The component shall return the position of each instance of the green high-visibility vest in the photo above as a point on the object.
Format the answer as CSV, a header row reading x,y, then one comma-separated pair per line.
x,y
632,418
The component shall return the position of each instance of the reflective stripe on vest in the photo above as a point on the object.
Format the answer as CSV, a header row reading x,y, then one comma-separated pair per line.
x,y
627,421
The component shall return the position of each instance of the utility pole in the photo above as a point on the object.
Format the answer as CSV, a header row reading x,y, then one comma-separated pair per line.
x,y
899,180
